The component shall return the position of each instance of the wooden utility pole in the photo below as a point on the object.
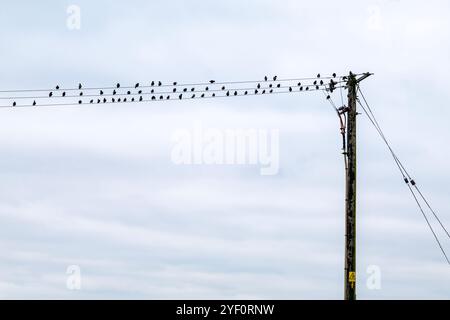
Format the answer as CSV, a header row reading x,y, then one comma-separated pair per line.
x,y
350,194
350,189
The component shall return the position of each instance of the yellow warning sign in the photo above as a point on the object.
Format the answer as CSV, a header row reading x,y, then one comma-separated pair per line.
x,y
352,276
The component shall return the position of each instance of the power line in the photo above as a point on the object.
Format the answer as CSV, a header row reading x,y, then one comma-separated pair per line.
x,y
406,177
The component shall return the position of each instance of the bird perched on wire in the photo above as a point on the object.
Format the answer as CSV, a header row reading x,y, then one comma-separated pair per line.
x,y
136,85
34,102
265,78
50,94
101,92
159,83
57,88
114,92
180,96
318,75
175,83
334,75
153,83
275,78
80,86
118,85
64,94
212,81
14,104
140,98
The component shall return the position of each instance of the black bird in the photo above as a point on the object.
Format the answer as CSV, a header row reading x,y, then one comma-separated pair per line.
x,y
168,97
278,85
318,75
153,98
104,100
228,93
101,92
213,95
81,93
180,96
132,99
315,82
256,91
174,83
192,90
246,92
50,94
80,86
140,98
118,85
124,99
159,84
264,91
334,75
275,78
113,100
203,95
57,87
317,87
321,82
161,97
206,88
212,81
271,90
299,84
14,104
98,100
118,100
223,88
64,94
80,102
258,86
174,90
193,96
152,91
328,97
265,78
34,102
290,89
307,88
270,85
301,88
114,92
140,92
92,101
153,83
128,92
235,93
137,85
185,89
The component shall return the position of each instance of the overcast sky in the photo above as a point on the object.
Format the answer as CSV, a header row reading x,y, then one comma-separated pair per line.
x,y
95,186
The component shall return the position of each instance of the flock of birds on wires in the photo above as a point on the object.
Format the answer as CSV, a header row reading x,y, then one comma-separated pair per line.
x,y
159,91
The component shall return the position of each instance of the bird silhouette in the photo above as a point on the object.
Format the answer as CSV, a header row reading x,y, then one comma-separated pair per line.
x,y
228,93
34,102
318,75
101,92
265,78
264,91
315,82
104,100
290,89
140,92
14,104
278,85
81,93
136,85
114,92
64,94
132,99
235,93
317,87
92,101
161,97
118,85
159,83
80,102
328,97
118,100
299,84
271,90
275,78
321,82
334,75
80,86
307,88
203,95
180,96
128,92
152,91
174,90
206,89
57,87
153,83
168,97
140,98
113,100
50,94
193,96
212,81
124,99
256,91
301,88
153,97
192,89
98,100
258,86
185,89
223,88
270,85
246,92
175,83
213,95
